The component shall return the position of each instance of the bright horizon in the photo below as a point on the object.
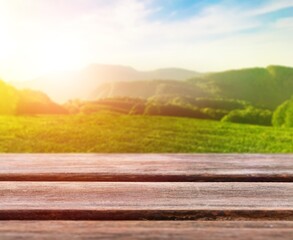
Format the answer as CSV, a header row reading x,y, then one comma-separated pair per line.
x,y
44,36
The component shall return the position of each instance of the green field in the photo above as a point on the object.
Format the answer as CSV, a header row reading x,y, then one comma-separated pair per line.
x,y
112,133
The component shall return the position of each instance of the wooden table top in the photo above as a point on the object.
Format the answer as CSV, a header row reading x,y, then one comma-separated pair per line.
x,y
210,196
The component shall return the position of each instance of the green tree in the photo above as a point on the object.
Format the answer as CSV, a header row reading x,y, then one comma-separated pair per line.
x,y
250,116
8,99
283,115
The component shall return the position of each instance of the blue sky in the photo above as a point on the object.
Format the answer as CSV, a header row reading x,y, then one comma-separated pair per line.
x,y
178,10
43,36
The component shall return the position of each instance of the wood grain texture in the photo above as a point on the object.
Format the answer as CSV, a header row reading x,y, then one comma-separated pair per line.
x,y
147,167
141,201
185,230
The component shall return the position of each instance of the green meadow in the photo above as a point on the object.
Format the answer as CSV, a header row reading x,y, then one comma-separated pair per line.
x,y
238,111
120,133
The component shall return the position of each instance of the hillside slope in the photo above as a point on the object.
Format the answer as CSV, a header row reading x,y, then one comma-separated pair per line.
x,y
262,87
14,102
81,84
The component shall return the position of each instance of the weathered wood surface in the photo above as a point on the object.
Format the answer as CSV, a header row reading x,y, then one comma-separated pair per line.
x,y
185,230
138,201
147,167
138,187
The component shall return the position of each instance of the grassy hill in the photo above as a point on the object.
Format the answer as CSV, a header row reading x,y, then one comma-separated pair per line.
x,y
116,133
14,102
262,87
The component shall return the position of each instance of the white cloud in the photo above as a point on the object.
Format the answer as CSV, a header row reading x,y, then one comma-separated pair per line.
x,y
284,23
121,32
272,6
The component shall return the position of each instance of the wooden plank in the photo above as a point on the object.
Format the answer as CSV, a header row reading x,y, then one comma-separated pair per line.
x,y
147,167
185,230
137,201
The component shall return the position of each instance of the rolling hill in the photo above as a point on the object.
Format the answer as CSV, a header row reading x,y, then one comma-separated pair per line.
x,y
261,87
23,102
81,84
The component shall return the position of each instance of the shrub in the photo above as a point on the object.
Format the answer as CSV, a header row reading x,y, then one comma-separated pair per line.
x,y
216,114
250,116
175,111
283,115
219,103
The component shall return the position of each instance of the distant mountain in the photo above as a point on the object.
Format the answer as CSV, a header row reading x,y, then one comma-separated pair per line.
x,y
173,74
14,102
261,87
81,84
146,89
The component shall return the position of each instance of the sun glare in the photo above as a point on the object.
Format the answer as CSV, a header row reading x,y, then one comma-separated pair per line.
x,y
59,53
6,42
27,46
38,37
